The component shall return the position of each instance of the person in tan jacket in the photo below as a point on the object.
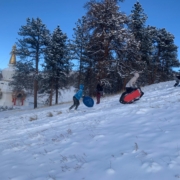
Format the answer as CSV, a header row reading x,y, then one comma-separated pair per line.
x,y
131,85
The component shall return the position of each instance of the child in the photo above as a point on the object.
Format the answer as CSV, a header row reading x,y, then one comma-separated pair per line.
x,y
177,78
77,97
99,91
131,85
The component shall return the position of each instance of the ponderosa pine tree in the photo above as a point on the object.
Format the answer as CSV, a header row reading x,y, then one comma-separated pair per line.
x,y
31,47
109,36
165,54
144,35
104,22
57,65
78,47
23,77
137,24
0,74
147,53
137,21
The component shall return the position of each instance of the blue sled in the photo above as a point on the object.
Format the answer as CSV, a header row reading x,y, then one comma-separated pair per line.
x,y
88,101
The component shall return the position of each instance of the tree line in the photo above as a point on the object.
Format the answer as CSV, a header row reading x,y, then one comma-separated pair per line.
x,y
107,45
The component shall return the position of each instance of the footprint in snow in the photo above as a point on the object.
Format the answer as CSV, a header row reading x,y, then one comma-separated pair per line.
x,y
110,171
142,111
151,167
172,164
99,136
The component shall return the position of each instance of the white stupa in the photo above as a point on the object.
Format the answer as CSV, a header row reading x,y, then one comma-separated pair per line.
x,y
8,98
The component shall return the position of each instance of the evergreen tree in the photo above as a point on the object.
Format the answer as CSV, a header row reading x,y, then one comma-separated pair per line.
x,y
23,77
110,40
57,64
144,35
137,21
165,54
137,25
78,47
31,46
147,53
0,74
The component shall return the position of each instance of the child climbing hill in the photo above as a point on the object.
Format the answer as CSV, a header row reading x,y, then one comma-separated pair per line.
x,y
77,97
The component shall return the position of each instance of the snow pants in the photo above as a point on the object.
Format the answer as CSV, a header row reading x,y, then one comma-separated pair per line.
x,y
177,82
76,103
98,96
130,89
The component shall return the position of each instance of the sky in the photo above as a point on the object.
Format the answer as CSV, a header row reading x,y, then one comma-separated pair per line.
x,y
65,13
109,141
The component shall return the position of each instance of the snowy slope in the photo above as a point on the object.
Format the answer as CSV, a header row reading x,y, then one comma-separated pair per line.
x,y
110,141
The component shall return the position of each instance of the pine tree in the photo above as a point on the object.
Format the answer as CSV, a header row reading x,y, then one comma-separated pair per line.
x,y
137,21
78,47
23,77
57,64
31,46
165,54
110,40
137,24
144,35
0,74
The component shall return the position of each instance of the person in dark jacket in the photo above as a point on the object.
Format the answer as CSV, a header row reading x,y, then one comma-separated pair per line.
x,y
77,97
99,91
177,78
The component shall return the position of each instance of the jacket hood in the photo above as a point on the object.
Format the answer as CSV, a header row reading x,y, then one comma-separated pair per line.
x,y
136,75
81,86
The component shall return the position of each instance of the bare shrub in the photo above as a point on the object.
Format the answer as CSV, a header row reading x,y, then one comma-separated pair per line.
x,y
69,131
59,112
50,114
33,118
135,146
177,176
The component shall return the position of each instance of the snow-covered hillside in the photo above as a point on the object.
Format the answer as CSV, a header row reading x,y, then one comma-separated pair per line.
x,y
110,141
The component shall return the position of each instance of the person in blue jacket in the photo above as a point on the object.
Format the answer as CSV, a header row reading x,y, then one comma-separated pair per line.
x,y
77,97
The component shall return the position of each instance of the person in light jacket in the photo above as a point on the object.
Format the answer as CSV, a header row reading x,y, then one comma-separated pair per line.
x,y
77,97
131,85
177,78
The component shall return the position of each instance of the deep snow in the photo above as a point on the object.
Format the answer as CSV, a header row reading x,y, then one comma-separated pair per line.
x,y
110,141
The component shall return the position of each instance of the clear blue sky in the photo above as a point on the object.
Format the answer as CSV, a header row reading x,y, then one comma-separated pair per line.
x,y
13,14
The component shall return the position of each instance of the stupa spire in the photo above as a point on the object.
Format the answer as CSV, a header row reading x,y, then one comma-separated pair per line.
x,y
13,55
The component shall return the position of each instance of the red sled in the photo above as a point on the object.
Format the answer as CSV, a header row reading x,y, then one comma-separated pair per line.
x,y
128,98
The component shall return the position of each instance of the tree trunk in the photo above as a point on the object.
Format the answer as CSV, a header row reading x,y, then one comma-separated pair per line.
x,y
35,93
80,69
156,67
51,94
124,84
56,101
36,79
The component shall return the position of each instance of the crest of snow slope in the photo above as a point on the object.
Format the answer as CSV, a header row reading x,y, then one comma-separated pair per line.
x,y
110,141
